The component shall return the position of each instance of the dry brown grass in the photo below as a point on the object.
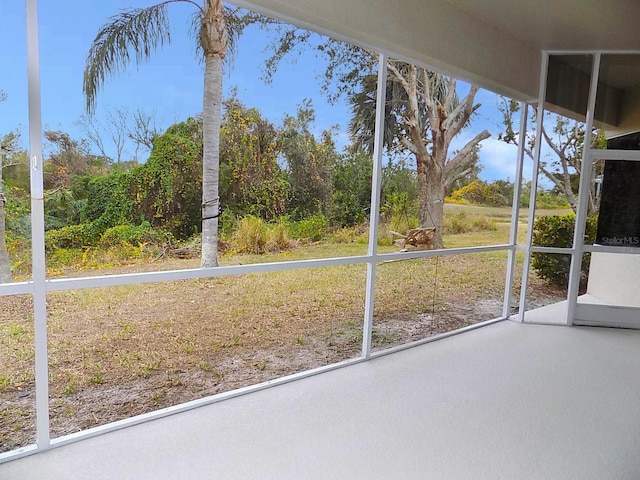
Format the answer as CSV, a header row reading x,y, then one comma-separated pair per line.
x,y
120,351
134,331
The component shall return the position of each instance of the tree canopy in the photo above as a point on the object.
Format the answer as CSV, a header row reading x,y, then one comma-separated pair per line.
x,y
423,113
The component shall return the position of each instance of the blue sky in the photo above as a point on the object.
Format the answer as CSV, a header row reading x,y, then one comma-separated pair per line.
x,y
170,85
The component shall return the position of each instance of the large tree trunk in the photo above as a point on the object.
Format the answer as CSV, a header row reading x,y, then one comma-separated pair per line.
x,y
211,117
431,197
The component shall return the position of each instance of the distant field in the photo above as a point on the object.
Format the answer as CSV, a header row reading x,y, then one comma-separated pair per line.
x,y
502,212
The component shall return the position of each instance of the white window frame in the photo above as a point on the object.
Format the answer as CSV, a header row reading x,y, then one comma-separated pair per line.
x,y
39,286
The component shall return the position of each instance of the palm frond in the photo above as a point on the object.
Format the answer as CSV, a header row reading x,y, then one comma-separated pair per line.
x,y
236,20
194,32
136,31
363,116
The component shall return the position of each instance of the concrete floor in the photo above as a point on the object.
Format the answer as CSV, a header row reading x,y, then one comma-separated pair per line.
x,y
506,401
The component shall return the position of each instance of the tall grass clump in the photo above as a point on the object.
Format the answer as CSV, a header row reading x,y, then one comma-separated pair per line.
x,y
461,222
356,234
254,235
278,238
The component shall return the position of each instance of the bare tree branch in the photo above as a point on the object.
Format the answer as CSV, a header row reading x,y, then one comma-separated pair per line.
x,y
144,130
461,114
462,156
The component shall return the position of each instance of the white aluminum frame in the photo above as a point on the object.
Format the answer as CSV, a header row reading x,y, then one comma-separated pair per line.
x,y
587,314
374,217
38,269
515,215
39,286
581,214
595,314
526,266
574,278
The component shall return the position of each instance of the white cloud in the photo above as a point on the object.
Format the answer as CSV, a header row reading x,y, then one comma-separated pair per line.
x,y
498,159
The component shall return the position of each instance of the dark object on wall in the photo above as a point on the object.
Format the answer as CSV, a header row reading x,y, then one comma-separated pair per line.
x,y
630,141
619,219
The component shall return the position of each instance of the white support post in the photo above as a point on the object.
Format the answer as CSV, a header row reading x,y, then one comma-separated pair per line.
x,y
526,266
374,216
583,199
38,271
515,213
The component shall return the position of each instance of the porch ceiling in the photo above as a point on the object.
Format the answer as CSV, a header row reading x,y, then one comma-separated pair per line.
x,y
564,24
493,43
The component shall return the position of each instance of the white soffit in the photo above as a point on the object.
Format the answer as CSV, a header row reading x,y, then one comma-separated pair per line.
x,y
562,24
494,43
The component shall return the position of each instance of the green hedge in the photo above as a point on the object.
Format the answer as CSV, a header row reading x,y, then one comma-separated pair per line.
x,y
91,234
557,231
71,236
311,229
130,234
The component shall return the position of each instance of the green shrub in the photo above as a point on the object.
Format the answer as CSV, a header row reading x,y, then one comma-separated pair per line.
x,y
456,223
311,229
483,222
226,224
17,213
400,212
65,257
71,236
100,257
345,209
401,224
557,231
130,234
19,250
551,200
122,253
385,237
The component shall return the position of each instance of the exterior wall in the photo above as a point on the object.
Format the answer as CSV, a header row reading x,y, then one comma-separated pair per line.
x,y
430,32
630,114
615,277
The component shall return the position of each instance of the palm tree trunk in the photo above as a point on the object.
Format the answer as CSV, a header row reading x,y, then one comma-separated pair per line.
x,y
211,118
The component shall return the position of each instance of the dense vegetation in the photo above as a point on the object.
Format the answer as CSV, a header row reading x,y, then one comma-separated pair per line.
x,y
278,184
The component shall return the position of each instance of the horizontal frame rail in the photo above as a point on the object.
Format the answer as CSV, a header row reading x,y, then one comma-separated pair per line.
x,y
627,155
564,250
61,284
17,288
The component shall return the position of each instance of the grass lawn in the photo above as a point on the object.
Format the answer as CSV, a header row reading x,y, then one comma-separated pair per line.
x,y
121,351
